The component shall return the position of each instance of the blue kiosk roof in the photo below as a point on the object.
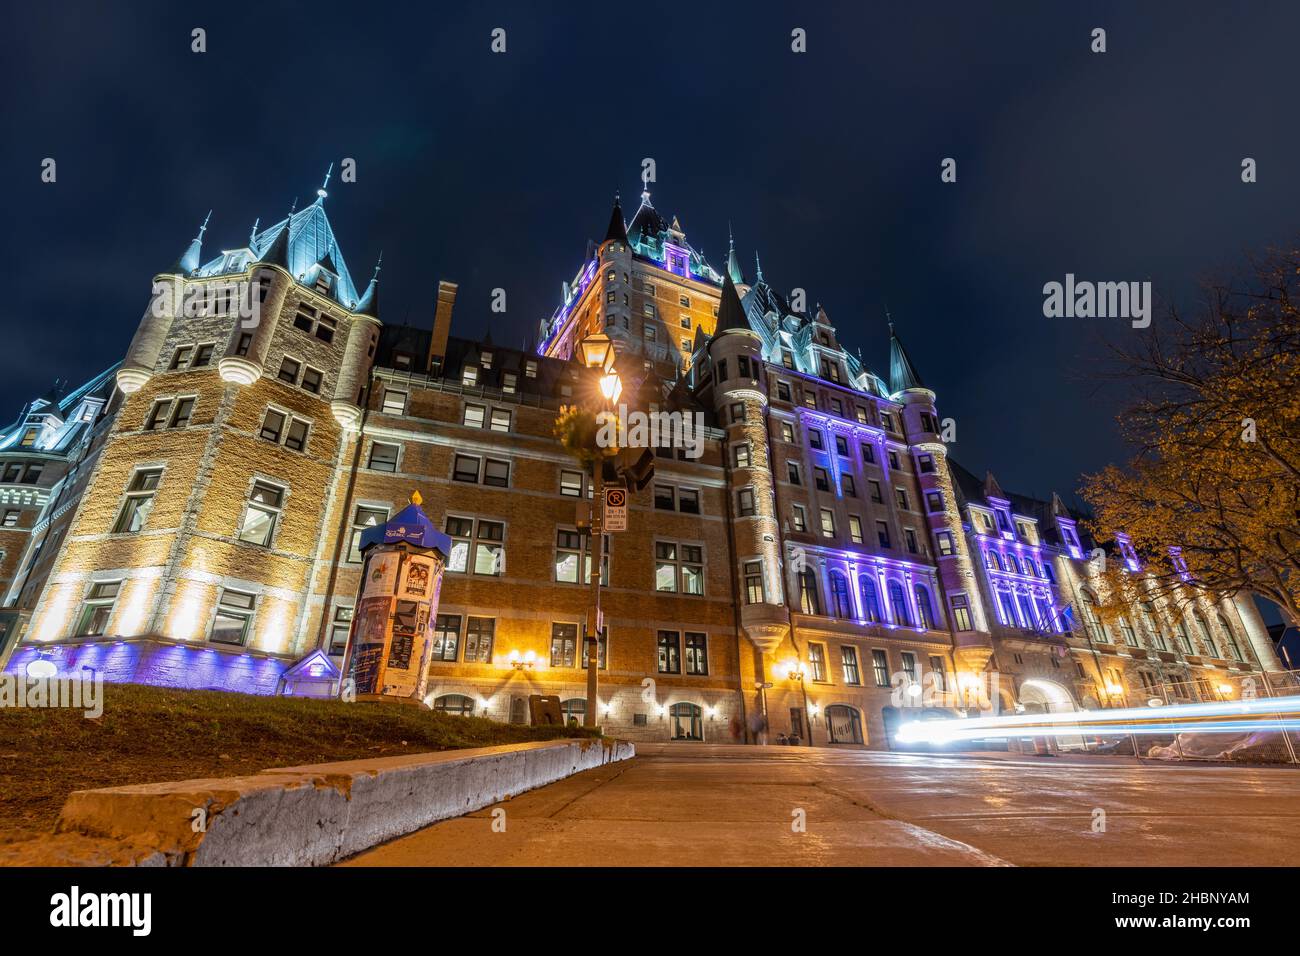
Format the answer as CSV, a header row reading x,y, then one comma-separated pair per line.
x,y
411,525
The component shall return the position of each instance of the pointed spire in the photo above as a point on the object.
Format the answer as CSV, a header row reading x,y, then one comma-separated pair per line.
x,y
733,263
758,267
192,257
731,314
321,193
902,373
992,489
369,304
277,253
617,229
1058,506
252,235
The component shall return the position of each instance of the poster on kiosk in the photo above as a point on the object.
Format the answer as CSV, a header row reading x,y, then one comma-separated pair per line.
x,y
401,577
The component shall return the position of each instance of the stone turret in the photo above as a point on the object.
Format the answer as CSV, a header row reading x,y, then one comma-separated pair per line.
x,y
973,644
740,397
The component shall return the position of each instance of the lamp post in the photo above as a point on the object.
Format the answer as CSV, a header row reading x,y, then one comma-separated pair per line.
x,y
597,353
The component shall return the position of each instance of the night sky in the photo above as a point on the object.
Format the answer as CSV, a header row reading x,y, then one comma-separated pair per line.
x,y
494,170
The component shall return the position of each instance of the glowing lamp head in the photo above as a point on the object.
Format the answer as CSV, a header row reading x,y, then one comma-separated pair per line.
x,y
1225,689
40,669
598,352
1112,688
914,690
530,657
611,387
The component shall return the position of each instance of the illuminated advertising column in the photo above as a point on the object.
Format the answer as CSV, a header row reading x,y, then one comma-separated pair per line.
x,y
389,645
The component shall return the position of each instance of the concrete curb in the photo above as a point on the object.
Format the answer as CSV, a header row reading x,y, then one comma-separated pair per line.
x,y
299,816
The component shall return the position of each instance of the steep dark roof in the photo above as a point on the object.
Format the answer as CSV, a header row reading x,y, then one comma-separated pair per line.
x,y
731,314
647,223
617,229
902,373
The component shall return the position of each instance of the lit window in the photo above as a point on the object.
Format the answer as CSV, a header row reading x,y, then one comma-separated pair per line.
x,y
394,402
97,609
571,483
473,417
363,518
745,502
182,413
670,651
697,653
564,644
849,659
233,617
855,529
157,414
383,457
264,504
296,438
500,419
339,629
272,426
139,501
753,582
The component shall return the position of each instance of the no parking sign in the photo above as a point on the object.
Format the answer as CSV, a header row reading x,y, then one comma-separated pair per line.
x,y
615,509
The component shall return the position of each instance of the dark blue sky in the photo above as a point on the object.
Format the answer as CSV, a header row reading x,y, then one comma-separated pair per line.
x,y
494,170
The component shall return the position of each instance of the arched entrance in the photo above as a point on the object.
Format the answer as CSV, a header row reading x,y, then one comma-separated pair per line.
x,y
1039,696
843,724
687,721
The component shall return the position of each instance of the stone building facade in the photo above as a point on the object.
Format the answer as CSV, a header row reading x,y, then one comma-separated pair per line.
x,y
815,566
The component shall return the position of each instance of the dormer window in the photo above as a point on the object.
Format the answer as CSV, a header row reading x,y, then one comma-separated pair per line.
x,y
485,359
29,437
469,376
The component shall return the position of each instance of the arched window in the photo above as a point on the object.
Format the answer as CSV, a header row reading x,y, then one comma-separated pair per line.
x,y
992,560
809,603
843,724
898,603
924,609
870,599
457,704
841,606
1232,638
1206,636
574,709
687,721
1185,638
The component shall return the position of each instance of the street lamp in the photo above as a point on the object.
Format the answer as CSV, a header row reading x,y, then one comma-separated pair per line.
x,y
597,353
794,670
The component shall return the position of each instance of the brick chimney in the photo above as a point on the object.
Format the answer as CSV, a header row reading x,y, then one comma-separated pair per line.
x,y
441,324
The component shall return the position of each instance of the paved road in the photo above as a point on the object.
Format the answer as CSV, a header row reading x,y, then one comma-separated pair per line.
x,y
694,805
